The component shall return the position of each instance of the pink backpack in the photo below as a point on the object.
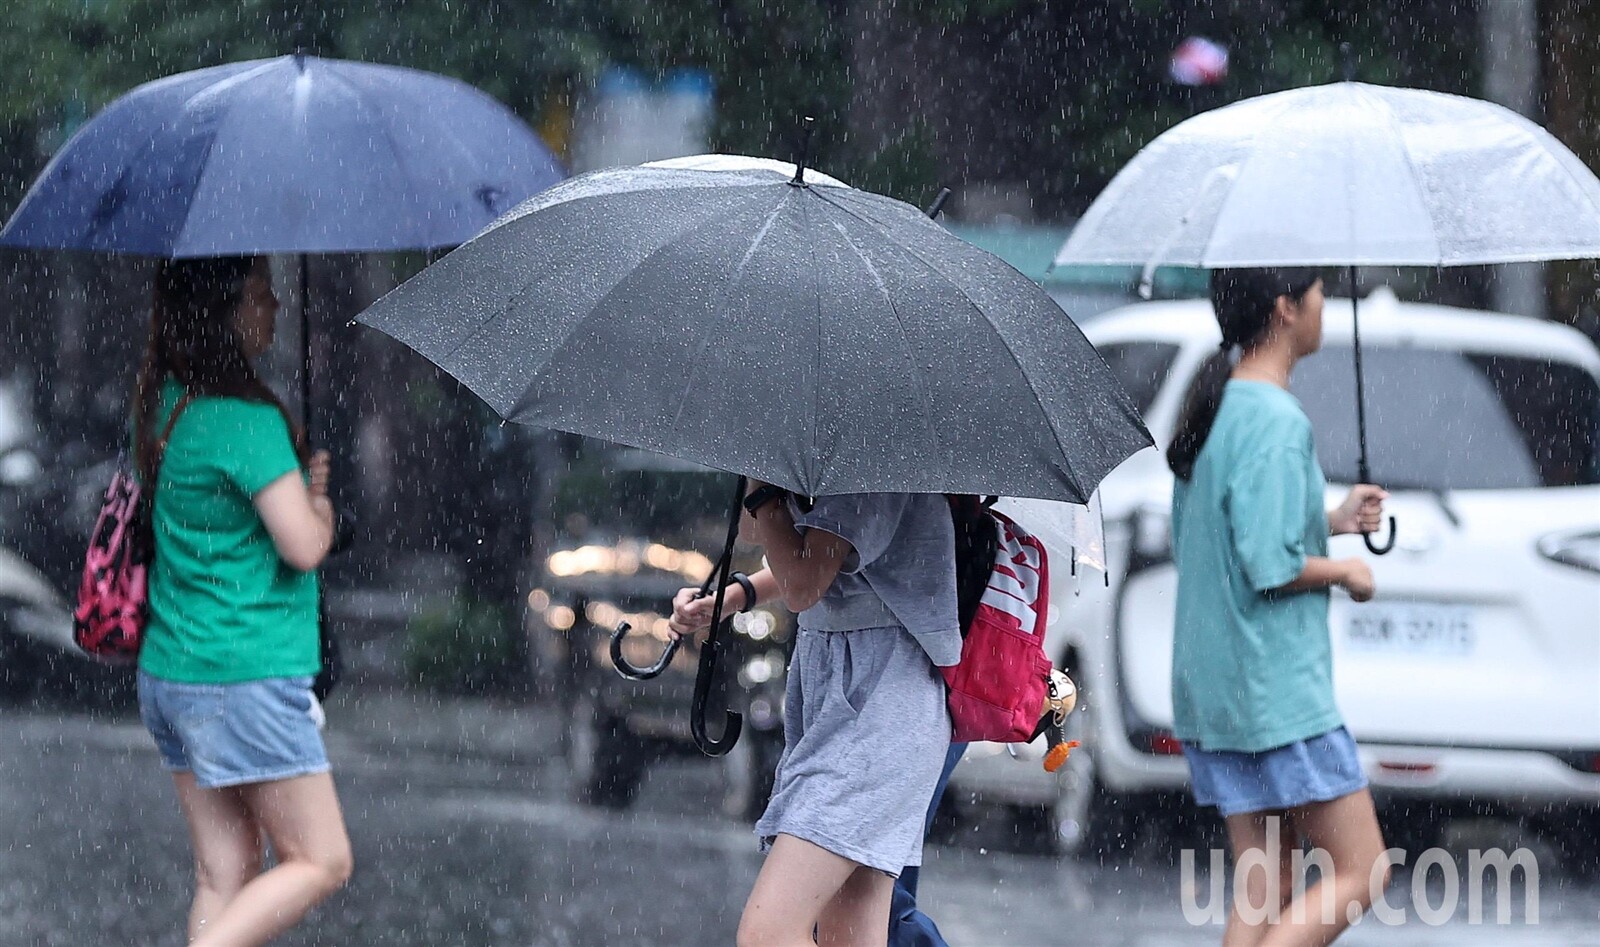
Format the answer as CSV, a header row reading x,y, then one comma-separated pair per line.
x,y
112,595
996,690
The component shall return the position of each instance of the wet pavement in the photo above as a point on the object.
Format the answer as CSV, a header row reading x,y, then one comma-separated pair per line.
x,y
464,834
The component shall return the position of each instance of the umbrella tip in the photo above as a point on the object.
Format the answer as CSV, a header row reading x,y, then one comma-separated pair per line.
x,y
938,203
807,126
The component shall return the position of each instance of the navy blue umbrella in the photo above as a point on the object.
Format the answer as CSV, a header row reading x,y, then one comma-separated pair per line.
x,y
289,155
294,155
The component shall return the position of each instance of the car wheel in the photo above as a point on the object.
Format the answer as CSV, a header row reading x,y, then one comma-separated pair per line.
x,y
1414,825
1572,831
607,760
747,773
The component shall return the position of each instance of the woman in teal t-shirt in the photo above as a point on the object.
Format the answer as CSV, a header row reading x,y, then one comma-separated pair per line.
x,y
1252,667
231,644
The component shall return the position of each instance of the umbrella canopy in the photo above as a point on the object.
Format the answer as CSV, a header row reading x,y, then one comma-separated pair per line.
x,y
1345,174
822,338
289,155
721,162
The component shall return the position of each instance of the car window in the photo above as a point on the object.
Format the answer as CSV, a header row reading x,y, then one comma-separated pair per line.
x,y
1439,419
1142,368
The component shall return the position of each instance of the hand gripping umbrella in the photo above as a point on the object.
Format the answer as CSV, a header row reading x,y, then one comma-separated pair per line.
x,y
293,155
821,338
1346,174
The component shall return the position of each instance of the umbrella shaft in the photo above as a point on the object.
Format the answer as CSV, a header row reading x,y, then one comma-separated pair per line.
x,y
1364,469
305,345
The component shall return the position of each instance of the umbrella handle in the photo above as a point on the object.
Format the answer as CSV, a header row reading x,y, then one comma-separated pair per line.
x,y
632,671
1374,548
732,723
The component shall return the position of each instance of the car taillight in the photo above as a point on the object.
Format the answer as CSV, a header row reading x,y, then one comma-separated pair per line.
x,y
1579,548
1163,743
1584,761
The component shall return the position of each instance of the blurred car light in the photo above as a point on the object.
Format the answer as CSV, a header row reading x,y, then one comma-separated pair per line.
x,y
626,559
757,625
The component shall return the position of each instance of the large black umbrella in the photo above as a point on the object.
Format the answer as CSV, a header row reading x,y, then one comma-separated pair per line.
x,y
818,337
293,155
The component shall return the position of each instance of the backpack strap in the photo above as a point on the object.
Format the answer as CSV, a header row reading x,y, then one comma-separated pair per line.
x,y
144,507
166,434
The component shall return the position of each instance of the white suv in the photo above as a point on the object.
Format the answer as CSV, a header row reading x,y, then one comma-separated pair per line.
x,y
1474,675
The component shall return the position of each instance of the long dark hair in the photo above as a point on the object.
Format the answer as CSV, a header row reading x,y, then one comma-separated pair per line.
x,y
193,339
1244,300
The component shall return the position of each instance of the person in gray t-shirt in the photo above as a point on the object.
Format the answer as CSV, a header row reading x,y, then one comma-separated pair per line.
x,y
872,577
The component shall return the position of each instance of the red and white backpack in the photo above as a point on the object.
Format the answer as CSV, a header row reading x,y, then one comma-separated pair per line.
x,y
996,691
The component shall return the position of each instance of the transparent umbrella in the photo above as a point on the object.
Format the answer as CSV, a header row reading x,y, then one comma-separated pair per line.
x,y
1346,174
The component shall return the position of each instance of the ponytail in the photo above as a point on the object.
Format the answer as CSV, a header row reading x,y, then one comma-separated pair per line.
x,y
1243,300
1199,412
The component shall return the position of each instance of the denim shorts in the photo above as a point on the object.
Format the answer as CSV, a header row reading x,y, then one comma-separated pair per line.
x,y
1319,769
233,734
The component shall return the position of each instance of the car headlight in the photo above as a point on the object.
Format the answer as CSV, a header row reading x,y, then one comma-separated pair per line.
x,y
1577,548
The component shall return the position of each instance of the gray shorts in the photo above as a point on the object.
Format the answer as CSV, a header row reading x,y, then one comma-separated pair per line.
x,y
865,737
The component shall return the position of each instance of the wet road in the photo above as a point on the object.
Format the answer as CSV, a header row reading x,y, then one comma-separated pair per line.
x,y
464,835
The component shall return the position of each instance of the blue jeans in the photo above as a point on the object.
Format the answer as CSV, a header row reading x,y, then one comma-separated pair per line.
x,y
909,927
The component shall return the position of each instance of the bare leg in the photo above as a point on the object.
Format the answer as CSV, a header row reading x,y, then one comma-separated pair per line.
x,y
797,883
301,819
1268,838
858,916
227,847
1347,829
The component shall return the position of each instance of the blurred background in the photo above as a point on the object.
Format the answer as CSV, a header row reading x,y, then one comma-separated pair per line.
x,y
478,547
1025,109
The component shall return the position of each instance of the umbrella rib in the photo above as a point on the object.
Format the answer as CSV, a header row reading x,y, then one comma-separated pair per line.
x,y
706,341
1004,342
905,336
535,371
1433,228
531,287
380,119
212,90
816,368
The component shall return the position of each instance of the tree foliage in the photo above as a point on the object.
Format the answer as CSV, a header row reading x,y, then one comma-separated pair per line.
x,y
1054,94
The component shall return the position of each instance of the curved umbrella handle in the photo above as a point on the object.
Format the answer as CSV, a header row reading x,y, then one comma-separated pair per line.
x,y
631,671
732,723
1375,549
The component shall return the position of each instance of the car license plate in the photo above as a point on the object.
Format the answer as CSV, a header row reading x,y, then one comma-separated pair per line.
x,y
1410,628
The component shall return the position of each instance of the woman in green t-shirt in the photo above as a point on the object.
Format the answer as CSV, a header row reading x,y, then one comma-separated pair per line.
x,y
1252,666
241,520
